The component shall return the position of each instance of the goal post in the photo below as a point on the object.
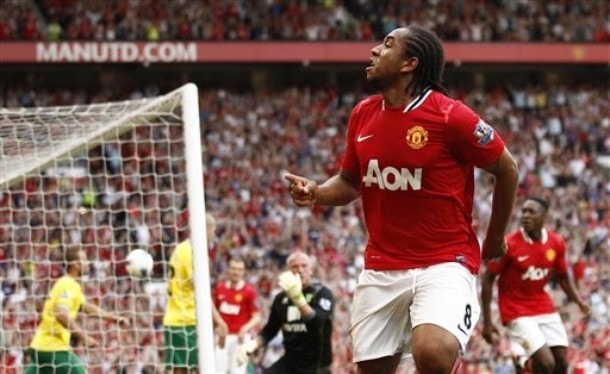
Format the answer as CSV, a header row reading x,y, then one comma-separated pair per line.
x,y
199,239
109,177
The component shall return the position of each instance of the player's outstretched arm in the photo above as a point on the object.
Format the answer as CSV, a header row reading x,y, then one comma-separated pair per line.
x,y
62,316
506,172
340,189
94,310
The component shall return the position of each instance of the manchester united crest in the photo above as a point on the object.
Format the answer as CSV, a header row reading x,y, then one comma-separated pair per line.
x,y
239,297
417,137
550,254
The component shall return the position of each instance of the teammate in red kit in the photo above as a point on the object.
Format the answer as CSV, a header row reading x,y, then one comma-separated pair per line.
x,y
236,301
410,155
533,256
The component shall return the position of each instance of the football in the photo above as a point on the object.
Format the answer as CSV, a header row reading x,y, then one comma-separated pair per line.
x,y
139,264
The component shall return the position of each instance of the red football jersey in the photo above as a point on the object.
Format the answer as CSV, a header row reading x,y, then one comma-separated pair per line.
x,y
236,305
416,168
524,272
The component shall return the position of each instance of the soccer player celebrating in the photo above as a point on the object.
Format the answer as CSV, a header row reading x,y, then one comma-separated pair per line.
x,y
236,302
410,155
50,347
179,321
303,312
533,256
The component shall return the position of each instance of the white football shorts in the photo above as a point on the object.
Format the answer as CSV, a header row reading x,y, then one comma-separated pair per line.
x,y
529,334
226,357
389,304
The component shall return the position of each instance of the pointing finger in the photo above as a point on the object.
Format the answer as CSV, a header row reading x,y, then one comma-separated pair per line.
x,y
292,178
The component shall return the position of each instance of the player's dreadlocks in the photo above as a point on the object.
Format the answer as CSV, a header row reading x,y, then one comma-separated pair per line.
x,y
426,46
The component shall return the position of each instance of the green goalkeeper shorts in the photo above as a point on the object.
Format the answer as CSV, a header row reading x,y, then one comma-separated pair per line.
x,y
180,346
61,362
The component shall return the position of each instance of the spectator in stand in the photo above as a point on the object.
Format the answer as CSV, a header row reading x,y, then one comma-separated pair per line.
x,y
318,21
534,255
50,347
303,312
419,282
179,321
236,301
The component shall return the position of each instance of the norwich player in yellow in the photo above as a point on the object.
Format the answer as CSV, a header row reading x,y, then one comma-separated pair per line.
x,y
179,321
50,348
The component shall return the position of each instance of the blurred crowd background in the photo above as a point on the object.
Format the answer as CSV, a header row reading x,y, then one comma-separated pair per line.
x,y
128,192
153,20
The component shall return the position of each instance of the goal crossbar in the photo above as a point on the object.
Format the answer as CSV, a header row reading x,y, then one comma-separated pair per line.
x,y
24,152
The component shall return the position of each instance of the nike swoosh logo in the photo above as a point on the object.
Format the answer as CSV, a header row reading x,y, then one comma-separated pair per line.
x,y
363,138
522,258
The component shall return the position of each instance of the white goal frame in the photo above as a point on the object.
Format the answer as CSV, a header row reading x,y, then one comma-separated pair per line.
x,y
21,158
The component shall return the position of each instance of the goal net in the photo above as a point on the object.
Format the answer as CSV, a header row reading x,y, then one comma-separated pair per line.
x,y
108,178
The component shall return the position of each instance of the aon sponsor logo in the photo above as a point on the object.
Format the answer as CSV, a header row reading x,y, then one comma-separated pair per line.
x,y
391,178
534,273
227,308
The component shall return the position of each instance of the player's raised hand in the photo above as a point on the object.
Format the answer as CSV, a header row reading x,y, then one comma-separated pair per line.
x,y
292,285
302,190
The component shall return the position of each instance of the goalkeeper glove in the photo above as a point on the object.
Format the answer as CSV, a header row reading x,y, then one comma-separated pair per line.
x,y
244,352
291,284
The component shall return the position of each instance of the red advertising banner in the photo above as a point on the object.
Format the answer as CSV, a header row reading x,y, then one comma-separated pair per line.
x,y
299,52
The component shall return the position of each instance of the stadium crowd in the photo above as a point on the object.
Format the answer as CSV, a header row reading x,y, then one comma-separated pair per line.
x,y
312,20
555,132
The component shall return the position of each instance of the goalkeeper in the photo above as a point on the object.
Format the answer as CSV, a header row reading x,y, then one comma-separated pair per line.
x,y
50,348
303,311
